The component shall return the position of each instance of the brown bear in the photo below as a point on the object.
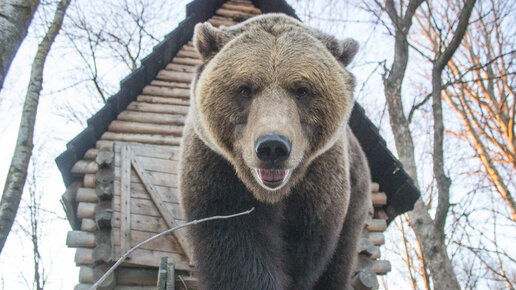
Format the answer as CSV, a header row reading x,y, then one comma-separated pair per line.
x,y
267,128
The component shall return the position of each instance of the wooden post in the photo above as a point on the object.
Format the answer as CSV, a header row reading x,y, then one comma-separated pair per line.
x,y
166,274
125,198
365,279
170,274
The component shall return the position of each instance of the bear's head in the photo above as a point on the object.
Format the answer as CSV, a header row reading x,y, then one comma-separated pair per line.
x,y
271,95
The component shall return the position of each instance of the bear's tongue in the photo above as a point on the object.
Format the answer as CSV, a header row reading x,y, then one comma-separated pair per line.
x,y
272,177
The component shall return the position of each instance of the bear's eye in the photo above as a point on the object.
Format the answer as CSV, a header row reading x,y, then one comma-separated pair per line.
x,y
244,91
302,92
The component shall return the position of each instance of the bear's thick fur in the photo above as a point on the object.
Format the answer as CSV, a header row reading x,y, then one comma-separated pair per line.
x,y
272,80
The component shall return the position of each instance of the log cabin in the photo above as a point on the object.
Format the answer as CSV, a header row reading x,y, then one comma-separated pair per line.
x,y
121,170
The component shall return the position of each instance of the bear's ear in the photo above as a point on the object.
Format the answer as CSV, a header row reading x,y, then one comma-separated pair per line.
x,y
207,40
343,50
349,48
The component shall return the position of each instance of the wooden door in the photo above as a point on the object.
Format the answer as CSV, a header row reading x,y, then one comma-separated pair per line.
x,y
146,202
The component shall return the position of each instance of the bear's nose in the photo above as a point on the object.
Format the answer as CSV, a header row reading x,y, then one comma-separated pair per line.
x,y
272,148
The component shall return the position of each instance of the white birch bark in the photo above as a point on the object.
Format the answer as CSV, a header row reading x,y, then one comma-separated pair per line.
x,y
24,144
15,17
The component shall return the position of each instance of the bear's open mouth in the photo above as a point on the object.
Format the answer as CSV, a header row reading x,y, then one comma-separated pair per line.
x,y
272,178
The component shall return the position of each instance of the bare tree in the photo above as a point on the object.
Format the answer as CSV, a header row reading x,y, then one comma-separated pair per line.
x,y
480,89
18,169
15,17
120,33
33,229
429,232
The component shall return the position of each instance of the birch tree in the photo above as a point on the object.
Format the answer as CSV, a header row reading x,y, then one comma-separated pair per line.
x,y
17,173
15,17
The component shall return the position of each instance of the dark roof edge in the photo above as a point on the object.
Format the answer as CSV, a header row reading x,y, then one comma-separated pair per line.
x,y
203,9
274,6
386,169
130,87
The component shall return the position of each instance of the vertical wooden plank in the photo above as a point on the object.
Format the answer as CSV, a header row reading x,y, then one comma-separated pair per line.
x,y
171,277
162,274
125,198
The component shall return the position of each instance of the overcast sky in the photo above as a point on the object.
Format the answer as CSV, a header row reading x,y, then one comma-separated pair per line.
x,y
61,92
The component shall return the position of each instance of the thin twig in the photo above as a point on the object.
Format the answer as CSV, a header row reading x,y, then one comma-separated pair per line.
x,y
126,254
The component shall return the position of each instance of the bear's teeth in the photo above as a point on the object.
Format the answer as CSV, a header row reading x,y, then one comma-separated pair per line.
x,y
272,175
272,178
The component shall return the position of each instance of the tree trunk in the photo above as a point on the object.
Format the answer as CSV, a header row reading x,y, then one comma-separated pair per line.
x,y
15,17
18,170
431,237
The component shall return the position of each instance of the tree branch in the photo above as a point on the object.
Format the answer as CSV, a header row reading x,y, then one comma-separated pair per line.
x,y
194,222
443,181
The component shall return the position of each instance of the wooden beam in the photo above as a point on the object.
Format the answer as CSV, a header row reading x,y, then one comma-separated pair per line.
x,y
109,282
381,267
102,253
157,108
137,276
220,22
143,138
166,91
104,157
379,213
377,225
375,187
181,67
104,190
91,154
166,243
242,8
174,76
186,60
188,53
377,238
80,239
144,128
154,118
88,225
85,194
152,258
89,180
103,215
169,84
86,274
232,13
366,247
169,194
163,100
85,167
379,199
83,256
365,279
147,207
104,143
125,198
86,210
